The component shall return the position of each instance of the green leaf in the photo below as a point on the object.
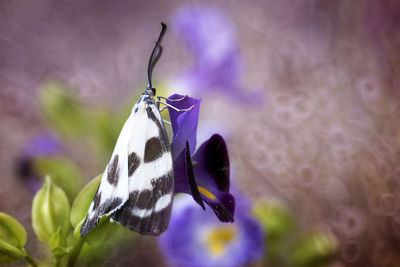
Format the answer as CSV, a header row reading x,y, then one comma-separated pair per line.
x,y
83,200
64,173
62,109
50,211
11,230
102,232
96,249
77,229
12,239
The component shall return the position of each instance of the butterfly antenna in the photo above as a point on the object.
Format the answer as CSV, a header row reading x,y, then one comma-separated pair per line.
x,y
155,56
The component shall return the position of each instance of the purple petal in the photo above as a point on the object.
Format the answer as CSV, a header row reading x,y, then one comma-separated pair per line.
x,y
213,160
184,123
40,146
223,206
212,176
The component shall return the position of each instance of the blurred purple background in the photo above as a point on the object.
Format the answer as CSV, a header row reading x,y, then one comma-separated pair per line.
x,y
323,132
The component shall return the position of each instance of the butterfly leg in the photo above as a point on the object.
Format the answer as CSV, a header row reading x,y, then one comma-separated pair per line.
x,y
172,100
174,108
162,109
165,107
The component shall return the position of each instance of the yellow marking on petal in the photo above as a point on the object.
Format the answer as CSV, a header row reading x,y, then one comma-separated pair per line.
x,y
219,238
206,193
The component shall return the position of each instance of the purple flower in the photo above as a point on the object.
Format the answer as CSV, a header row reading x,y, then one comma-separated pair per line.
x,y
195,238
205,173
41,146
209,35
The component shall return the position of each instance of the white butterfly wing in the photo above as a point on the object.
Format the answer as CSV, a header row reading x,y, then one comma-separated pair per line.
x,y
113,191
150,166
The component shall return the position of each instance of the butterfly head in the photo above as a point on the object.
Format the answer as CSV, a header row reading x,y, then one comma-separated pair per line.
x,y
146,97
151,92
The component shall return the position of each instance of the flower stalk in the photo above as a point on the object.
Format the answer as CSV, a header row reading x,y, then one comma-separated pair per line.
x,y
30,260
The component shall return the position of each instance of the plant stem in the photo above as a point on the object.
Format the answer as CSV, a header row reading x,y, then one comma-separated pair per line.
x,y
31,261
78,246
75,252
57,261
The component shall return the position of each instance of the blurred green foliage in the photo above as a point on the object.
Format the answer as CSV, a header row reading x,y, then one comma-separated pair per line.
x,y
64,173
63,111
317,248
58,225
12,239
287,245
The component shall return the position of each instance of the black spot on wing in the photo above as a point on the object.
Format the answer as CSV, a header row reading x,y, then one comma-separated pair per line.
x,y
109,205
133,196
155,224
139,199
163,133
106,207
96,201
112,172
144,199
133,163
88,225
163,185
153,149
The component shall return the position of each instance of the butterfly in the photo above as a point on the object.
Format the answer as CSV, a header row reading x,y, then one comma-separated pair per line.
x,y
137,186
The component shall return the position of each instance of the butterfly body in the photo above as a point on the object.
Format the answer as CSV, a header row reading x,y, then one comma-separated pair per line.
x,y
136,189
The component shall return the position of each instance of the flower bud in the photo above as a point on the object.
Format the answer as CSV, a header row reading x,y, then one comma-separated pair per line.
x,y
50,211
12,239
57,244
